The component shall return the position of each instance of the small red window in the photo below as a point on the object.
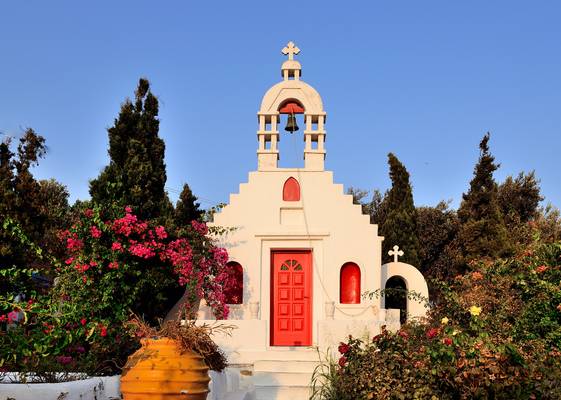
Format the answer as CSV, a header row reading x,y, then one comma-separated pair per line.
x,y
350,284
234,292
291,190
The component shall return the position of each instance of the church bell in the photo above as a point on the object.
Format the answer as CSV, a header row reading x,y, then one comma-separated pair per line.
x,y
291,125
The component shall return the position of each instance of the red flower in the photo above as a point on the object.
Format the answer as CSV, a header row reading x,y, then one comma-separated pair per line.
x,y
113,265
103,332
342,361
343,348
447,341
541,268
83,321
2,318
403,334
432,332
88,213
477,276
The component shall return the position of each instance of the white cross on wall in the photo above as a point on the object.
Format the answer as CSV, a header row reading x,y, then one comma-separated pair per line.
x,y
395,253
290,50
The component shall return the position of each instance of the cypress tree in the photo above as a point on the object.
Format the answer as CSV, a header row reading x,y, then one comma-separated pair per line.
x,y
482,229
187,208
400,224
136,174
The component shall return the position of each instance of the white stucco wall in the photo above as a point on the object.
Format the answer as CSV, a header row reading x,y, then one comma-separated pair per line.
x,y
325,220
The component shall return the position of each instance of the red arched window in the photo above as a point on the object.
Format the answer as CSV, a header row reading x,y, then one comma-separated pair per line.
x,y
234,292
350,284
291,190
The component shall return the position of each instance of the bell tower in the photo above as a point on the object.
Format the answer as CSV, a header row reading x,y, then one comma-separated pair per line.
x,y
292,97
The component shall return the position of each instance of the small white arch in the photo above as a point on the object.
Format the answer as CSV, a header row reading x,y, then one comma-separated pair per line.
x,y
414,281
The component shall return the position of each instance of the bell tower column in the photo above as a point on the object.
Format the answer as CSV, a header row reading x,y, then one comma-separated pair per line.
x,y
268,136
314,137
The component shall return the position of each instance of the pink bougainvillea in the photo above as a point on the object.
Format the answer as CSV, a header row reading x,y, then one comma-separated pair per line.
x,y
199,265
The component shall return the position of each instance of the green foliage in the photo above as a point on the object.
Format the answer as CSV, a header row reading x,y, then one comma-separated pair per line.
x,y
495,334
482,231
400,223
136,174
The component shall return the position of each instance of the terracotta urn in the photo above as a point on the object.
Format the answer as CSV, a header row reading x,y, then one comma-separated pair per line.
x,y
158,370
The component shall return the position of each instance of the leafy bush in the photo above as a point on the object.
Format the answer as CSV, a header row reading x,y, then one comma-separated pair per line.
x,y
496,334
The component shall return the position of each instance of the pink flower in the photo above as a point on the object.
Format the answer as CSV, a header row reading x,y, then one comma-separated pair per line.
x,y
142,251
116,246
113,265
403,334
88,213
103,332
83,321
74,244
128,209
69,260
12,316
2,318
64,360
200,227
343,348
96,233
161,232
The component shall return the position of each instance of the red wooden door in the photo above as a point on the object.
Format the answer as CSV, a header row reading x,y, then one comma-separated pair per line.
x,y
291,303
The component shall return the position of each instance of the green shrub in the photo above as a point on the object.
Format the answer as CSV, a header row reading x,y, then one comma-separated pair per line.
x,y
496,334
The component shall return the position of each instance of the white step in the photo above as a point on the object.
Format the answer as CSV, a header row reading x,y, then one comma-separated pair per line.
x,y
282,393
281,379
247,357
296,366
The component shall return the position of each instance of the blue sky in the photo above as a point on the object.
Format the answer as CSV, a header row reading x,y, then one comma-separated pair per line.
x,y
424,80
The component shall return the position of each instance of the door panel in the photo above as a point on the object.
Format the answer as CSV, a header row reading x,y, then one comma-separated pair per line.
x,y
291,305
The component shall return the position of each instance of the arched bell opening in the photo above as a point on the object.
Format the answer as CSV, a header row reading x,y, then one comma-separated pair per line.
x,y
395,294
291,129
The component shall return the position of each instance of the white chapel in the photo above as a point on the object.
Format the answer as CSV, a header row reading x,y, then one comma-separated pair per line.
x,y
303,251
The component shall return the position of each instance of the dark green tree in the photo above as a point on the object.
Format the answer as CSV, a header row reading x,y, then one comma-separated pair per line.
x,y
519,197
30,204
136,174
187,208
400,223
482,231
438,251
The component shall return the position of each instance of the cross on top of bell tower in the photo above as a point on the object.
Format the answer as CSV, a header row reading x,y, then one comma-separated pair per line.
x,y
291,50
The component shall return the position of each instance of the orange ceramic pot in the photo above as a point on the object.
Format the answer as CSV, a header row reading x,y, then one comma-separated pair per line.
x,y
158,370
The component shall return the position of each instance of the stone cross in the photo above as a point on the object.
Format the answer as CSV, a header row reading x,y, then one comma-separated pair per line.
x,y
395,253
290,50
